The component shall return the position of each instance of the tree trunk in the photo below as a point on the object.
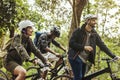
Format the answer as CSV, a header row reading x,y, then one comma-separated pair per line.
x,y
78,6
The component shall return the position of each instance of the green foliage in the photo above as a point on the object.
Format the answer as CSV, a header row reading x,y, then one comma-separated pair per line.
x,y
53,12
7,14
48,5
47,13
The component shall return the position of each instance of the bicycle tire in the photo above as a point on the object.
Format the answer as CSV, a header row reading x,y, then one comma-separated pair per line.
x,y
3,76
63,77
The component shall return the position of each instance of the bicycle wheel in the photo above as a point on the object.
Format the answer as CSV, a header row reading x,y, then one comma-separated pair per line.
x,y
3,76
63,77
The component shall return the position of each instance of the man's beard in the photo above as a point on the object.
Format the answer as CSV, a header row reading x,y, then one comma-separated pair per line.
x,y
91,25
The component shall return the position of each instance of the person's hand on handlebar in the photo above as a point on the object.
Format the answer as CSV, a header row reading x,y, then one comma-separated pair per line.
x,y
36,61
58,55
117,58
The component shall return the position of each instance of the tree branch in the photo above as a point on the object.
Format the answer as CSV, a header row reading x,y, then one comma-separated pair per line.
x,y
70,2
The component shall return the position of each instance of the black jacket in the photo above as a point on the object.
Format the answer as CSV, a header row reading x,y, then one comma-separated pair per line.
x,y
77,43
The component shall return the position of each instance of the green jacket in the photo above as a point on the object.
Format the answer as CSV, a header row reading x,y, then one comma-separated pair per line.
x,y
23,47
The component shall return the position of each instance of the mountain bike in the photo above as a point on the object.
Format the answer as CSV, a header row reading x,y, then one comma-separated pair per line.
x,y
95,74
35,72
53,72
62,69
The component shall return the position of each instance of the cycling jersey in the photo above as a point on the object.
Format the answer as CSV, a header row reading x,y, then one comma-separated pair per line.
x,y
20,50
44,41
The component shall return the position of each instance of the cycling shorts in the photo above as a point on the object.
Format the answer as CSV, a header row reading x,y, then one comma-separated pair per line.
x,y
10,66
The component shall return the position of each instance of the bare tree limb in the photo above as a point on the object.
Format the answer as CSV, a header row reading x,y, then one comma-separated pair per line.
x,y
70,2
78,6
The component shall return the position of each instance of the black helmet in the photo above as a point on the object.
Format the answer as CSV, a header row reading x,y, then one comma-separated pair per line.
x,y
55,31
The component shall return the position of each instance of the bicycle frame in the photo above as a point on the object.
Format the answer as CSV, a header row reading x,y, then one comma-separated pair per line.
x,y
59,68
102,71
37,75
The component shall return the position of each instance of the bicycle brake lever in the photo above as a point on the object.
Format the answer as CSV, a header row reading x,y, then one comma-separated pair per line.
x,y
116,58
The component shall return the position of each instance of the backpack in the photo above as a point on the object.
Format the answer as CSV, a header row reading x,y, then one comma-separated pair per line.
x,y
6,47
37,35
15,43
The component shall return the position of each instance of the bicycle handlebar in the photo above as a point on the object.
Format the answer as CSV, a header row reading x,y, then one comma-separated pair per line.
x,y
109,60
38,63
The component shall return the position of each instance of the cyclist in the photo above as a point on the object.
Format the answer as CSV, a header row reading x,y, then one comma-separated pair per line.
x,y
20,49
82,47
44,42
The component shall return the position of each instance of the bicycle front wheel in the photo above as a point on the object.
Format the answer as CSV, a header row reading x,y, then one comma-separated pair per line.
x,y
3,76
63,77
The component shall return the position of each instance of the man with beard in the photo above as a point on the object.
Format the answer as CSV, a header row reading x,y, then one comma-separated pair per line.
x,y
82,47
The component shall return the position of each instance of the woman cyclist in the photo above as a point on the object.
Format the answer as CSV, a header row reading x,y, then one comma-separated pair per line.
x,y
20,49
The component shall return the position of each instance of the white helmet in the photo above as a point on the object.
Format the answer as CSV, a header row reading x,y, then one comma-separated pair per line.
x,y
90,16
25,24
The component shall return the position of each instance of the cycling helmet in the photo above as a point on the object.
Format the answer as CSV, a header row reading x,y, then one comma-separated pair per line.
x,y
24,24
90,16
55,31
